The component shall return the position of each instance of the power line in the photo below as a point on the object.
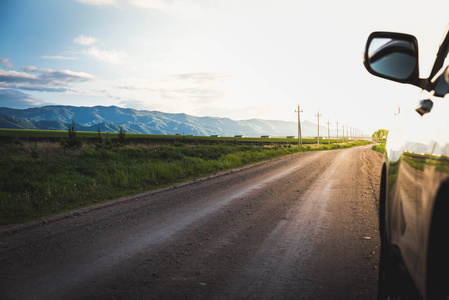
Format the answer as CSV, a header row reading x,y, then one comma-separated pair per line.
x,y
337,131
318,136
299,127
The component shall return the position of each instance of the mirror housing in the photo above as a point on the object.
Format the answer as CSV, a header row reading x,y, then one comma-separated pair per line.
x,y
393,56
446,75
441,84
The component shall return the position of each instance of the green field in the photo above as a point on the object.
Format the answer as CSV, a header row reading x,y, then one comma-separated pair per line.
x,y
41,178
23,133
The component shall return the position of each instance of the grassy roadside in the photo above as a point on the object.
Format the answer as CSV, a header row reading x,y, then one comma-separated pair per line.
x,y
379,148
38,180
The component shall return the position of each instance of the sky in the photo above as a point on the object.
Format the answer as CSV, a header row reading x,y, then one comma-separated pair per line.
x,y
239,59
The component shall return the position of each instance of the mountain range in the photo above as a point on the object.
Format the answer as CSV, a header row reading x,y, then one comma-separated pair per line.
x,y
111,118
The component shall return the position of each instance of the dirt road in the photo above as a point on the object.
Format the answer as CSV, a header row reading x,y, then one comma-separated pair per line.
x,y
298,227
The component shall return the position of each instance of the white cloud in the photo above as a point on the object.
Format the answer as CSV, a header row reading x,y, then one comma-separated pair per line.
x,y
110,56
155,4
194,96
84,40
46,80
65,77
17,99
180,8
6,62
98,2
205,77
16,77
137,104
58,57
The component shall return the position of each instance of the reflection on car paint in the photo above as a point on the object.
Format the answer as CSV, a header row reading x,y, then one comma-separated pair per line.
x,y
418,162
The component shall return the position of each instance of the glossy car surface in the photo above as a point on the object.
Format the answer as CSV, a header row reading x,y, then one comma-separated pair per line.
x,y
414,200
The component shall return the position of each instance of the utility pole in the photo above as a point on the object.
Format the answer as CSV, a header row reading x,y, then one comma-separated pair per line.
x,y
299,127
328,132
337,131
318,136
343,137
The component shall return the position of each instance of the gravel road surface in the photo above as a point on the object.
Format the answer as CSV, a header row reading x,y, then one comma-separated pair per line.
x,y
302,226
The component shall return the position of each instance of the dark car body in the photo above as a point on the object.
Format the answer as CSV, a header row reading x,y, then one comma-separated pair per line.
x,y
414,197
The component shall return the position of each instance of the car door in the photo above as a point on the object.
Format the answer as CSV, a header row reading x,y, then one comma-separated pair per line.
x,y
404,208
431,171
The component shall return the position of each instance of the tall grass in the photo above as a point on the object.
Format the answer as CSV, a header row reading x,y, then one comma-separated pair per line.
x,y
39,179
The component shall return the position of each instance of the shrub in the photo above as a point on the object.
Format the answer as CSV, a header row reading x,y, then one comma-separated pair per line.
x,y
72,142
121,136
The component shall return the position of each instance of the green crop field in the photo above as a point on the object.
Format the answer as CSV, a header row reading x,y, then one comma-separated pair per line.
x,y
20,133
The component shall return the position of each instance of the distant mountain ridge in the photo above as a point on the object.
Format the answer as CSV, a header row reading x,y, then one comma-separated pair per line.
x,y
110,118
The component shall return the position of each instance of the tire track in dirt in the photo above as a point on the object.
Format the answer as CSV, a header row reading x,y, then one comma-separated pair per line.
x,y
279,267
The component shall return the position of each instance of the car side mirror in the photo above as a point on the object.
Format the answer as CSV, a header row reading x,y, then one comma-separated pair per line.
x,y
393,56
